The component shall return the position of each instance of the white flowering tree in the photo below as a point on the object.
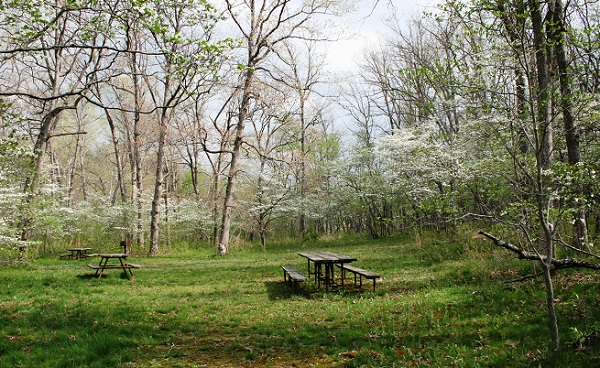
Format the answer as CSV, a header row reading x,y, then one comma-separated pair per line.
x,y
425,170
538,128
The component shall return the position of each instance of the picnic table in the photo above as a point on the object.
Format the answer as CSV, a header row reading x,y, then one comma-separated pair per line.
x,y
104,265
323,266
76,253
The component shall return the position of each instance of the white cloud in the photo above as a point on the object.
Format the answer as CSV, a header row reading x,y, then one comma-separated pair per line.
x,y
365,28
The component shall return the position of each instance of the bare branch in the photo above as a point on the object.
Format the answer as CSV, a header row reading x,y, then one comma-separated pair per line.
x,y
556,263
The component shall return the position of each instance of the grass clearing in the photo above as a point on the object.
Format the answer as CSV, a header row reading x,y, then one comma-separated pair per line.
x,y
438,304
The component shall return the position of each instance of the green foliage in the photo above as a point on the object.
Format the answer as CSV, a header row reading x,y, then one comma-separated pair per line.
x,y
576,184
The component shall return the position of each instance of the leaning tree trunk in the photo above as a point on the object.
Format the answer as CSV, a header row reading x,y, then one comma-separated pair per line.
x,y
32,182
223,247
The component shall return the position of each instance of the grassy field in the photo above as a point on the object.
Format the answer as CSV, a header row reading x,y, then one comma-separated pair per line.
x,y
440,303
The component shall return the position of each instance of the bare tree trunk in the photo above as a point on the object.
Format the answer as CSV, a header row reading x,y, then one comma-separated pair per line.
x,y
32,182
167,212
217,167
550,303
303,152
118,164
223,247
134,136
73,169
543,127
556,35
158,186
215,204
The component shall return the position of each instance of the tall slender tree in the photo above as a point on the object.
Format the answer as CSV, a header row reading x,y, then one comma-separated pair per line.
x,y
263,26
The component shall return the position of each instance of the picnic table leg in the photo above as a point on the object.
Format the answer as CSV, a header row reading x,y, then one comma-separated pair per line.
x,y
328,275
125,268
102,267
318,274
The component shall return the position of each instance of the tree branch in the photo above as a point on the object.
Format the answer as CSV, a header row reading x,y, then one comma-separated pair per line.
x,y
556,263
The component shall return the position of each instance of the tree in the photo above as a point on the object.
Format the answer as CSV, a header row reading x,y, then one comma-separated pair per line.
x,y
187,63
263,26
62,48
272,177
532,40
299,69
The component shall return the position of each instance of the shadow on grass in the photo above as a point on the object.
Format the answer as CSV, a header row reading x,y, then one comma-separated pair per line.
x,y
91,276
278,290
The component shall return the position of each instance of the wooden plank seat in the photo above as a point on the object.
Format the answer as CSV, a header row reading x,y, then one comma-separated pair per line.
x,y
113,266
361,273
103,267
290,274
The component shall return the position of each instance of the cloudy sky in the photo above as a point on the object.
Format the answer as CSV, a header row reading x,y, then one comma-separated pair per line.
x,y
365,26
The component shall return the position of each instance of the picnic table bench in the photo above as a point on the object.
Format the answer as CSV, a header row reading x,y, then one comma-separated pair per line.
x,y
290,274
359,272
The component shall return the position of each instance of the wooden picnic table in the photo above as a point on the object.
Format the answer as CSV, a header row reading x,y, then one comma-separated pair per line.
x,y
77,253
104,265
324,263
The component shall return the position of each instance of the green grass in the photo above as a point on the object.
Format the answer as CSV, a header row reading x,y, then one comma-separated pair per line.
x,y
441,302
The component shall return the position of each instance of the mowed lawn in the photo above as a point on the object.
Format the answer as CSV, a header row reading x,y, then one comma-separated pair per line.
x,y
440,303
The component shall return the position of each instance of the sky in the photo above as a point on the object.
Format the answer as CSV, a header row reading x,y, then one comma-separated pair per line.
x,y
365,26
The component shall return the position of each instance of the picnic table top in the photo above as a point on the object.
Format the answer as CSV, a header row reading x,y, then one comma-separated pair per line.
x,y
112,255
78,249
327,257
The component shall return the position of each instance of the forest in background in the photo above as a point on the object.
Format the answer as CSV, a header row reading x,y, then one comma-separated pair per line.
x,y
177,122
173,123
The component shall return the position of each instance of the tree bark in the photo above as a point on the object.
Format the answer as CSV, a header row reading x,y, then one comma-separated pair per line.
x,y
118,164
223,247
158,182
556,34
542,124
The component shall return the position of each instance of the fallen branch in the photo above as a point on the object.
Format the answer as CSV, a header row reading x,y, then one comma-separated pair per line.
x,y
556,263
524,278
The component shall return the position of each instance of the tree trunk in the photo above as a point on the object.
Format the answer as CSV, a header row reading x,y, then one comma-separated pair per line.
x,y
73,170
543,128
32,182
550,303
134,137
118,164
542,124
158,185
302,169
223,247
556,34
